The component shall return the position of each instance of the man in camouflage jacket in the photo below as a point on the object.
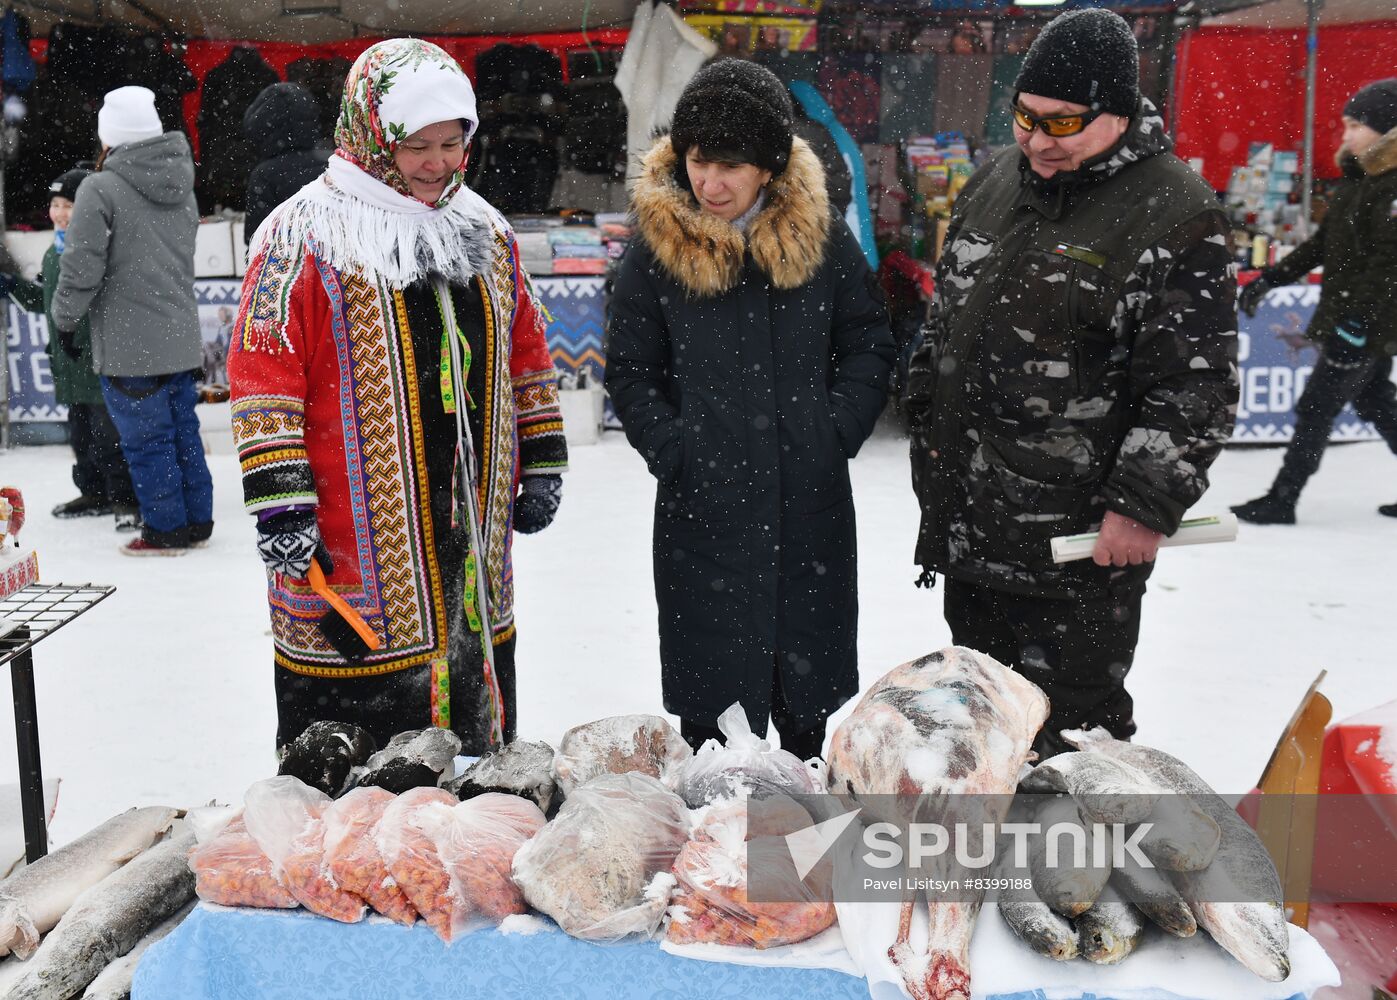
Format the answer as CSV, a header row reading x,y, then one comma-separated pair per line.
x,y
1079,370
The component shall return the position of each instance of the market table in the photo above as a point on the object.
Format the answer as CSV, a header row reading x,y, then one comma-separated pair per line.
x,y
231,954
28,616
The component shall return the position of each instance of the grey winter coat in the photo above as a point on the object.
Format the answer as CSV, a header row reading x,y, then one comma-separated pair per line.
x,y
129,261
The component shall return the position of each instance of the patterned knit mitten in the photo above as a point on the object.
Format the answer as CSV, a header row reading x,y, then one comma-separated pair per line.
x,y
288,541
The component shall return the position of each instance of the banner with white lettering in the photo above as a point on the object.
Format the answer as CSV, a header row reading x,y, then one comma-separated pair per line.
x,y
31,382
1276,359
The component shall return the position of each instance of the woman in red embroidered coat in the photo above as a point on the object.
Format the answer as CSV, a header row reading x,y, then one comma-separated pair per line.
x,y
388,352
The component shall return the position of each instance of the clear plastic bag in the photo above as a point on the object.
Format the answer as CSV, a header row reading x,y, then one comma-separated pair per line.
x,y
711,905
407,841
622,744
747,763
477,846
232,870
286,816
352,856
601,867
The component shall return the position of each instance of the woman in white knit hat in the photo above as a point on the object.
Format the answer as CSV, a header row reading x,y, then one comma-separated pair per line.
x,y
396,414
128,265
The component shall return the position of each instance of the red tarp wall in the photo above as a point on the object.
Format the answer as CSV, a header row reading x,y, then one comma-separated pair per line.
x,y
203,55
1236,86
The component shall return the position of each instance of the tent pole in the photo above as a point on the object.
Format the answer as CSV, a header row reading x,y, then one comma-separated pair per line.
x,y
1311,71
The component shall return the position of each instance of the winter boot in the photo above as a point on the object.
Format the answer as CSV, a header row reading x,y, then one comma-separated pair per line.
x,y
199,535
1388,510
158,543
1270,509
127,518
83,506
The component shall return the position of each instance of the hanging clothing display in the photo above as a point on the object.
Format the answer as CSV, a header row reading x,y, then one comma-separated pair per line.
x,y
999,126
909,97
662,55
963,93
851,82
226,155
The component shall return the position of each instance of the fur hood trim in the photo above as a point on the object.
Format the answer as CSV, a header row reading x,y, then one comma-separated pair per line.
x,y
1381,156
787,239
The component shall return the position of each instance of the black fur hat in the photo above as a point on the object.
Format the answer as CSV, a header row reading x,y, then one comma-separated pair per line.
x,y
738,109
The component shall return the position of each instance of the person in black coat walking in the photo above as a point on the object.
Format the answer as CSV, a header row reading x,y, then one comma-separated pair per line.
x,y
1355,325
285,122
748,359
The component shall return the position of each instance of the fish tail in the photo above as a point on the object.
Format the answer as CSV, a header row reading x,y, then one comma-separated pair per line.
x,y
1088,739
17,931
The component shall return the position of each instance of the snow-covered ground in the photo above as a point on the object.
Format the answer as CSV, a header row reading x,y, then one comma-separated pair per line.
x,y
164,693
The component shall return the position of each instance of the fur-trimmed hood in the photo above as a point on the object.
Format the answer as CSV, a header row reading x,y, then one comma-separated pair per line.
x,y
1381,157
788,238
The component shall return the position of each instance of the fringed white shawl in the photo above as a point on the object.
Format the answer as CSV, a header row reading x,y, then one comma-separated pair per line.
x,y
355,222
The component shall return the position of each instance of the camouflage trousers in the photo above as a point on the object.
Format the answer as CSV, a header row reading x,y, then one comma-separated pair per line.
x,y
1078,650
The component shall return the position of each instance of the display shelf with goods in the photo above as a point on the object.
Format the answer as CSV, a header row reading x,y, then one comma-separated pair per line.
x,y
1263,201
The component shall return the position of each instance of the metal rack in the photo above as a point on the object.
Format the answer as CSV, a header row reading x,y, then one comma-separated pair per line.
x,y
27,617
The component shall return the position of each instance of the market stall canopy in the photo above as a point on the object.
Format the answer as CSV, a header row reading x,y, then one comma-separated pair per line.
x,y
313,21
1292,14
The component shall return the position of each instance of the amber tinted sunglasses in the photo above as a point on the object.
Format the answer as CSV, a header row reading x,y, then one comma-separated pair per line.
x,y
1058,126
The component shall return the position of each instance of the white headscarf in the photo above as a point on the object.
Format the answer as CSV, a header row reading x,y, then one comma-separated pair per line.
x,y
360,214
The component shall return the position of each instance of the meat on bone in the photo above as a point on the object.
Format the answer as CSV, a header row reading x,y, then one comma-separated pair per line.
x,y
952,724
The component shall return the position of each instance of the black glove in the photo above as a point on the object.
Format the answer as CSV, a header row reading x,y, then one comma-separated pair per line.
x,y
68,340
288,541
537,503
1346,347
1252,295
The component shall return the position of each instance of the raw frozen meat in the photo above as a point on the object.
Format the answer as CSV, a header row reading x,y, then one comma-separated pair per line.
x,y
324,755
412,760
601,868
622,744
954,723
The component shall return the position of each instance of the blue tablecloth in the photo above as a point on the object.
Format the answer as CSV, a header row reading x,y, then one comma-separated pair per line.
x,y
220,954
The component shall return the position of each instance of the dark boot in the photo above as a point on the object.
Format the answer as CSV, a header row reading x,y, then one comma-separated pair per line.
x,y
1388,510
1273,508
83,506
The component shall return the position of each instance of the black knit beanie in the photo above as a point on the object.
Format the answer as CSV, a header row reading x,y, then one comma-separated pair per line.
x,y
1087,57
66,185
1375,106
738,109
